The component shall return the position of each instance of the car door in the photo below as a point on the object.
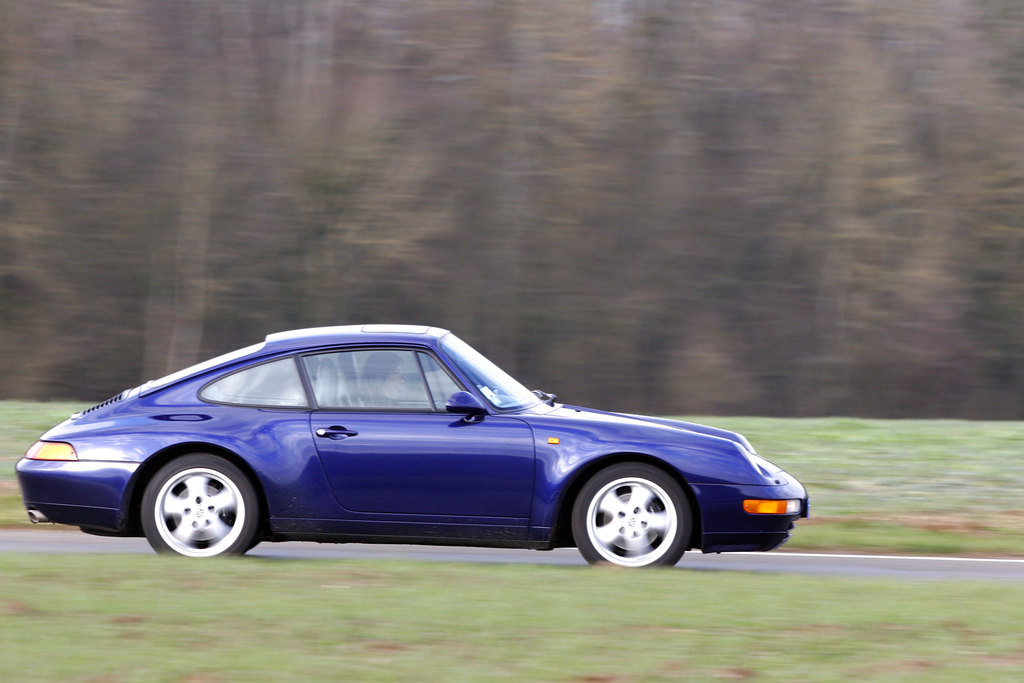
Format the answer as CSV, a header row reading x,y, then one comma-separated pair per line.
x,y
389,448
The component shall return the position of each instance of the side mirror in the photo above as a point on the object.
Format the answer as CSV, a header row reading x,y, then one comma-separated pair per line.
x,y
466,404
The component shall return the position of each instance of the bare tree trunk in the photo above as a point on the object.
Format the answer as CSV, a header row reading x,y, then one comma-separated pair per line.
x,y
190,276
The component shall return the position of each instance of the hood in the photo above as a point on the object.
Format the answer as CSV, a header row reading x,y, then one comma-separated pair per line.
x,y
677,425
697,449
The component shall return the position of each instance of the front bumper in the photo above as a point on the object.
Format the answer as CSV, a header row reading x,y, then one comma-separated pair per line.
x,y
726,527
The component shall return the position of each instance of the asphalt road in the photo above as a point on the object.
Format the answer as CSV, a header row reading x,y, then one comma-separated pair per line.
x,y
58,540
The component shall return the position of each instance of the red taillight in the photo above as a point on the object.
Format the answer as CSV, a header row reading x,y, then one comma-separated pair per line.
x,y
51,450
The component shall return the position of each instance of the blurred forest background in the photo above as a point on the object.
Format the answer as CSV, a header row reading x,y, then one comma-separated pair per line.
x,y
775,207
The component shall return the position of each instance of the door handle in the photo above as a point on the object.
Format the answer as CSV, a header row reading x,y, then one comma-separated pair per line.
x,y
335,432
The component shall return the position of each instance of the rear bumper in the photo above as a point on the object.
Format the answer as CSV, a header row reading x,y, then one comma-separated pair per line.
x,y
81,493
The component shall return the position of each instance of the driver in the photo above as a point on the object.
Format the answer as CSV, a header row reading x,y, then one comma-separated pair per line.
x,y
383,381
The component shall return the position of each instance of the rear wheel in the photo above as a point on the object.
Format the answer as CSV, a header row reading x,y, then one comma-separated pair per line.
x,y
200,505
632,515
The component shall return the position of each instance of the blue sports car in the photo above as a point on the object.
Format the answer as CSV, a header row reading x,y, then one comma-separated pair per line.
x,y
377,434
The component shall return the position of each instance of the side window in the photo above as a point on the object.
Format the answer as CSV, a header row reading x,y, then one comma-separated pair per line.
x,y
440,383
334,379
271,384
387,379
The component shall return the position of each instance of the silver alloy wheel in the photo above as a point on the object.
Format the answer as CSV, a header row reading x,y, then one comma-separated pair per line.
x,y
631,522
199,512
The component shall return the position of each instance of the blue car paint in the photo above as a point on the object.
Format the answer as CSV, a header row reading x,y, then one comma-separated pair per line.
x,y
430,476
435,464
84,493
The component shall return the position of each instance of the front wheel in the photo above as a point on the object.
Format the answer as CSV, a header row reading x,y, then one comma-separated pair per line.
x,y
200,505
632,515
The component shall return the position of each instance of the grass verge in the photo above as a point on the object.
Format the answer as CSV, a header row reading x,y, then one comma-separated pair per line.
x,y
908,486
22,422
157,618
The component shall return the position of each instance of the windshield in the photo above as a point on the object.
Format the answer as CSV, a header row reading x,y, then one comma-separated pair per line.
x,y
497,386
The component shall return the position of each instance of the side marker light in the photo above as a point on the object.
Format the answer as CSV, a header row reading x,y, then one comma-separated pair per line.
x,y
553,440
772,507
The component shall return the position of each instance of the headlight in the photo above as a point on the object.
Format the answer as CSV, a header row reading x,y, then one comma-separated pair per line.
x,y
767,469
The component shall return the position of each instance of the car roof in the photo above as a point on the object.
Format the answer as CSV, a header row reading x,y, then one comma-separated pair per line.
x,y
348,334
310,337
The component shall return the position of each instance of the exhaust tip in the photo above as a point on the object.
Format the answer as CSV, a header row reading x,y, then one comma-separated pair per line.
x,y
37,517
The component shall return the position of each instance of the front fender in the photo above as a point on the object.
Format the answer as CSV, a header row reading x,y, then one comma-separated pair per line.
x,y
567,450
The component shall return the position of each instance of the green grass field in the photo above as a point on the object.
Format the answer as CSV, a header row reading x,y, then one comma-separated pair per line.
x,y
936,486
919,486
165,619
913,486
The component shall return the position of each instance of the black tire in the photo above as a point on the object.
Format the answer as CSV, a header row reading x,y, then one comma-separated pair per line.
x,y
632,515
200,505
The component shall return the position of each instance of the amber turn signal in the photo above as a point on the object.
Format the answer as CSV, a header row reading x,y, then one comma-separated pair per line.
x,y
772,507
51,450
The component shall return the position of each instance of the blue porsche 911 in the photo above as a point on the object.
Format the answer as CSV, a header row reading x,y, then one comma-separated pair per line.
x,y
378,434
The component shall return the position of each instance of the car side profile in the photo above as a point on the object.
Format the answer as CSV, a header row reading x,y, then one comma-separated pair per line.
x,y
397,434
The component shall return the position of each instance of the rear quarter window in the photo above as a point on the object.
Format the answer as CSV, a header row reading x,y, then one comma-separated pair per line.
x,y
275,384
